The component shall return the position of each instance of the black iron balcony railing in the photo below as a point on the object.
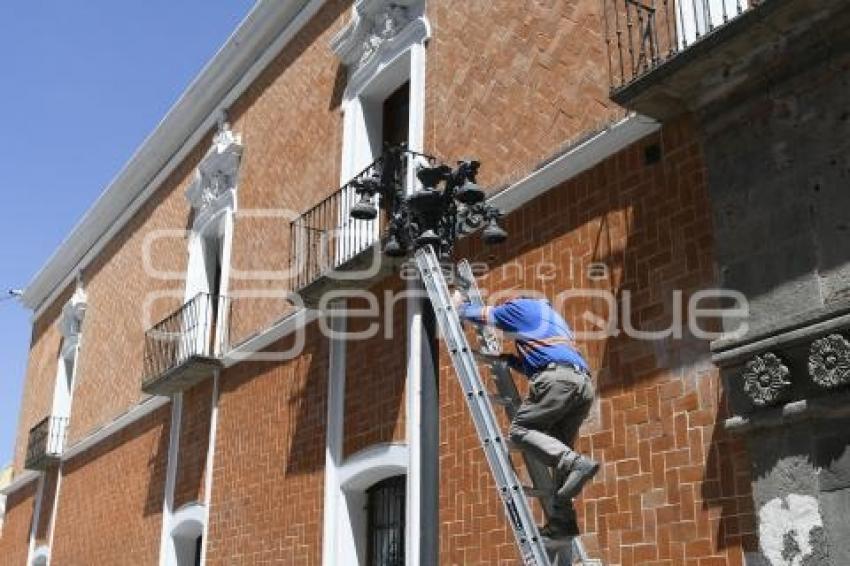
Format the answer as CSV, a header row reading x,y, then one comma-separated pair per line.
x,y
182,348
642,34
46,442
326,237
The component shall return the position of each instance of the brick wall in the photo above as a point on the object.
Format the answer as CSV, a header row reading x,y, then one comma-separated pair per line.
x,y
194,444
290,122
268,477
15,534
674,489
291,127
110,503
375,374
509,82
118,285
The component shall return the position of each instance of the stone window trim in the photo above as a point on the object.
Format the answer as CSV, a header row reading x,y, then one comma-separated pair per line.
x,y
354,477
379,32
213,189
71,320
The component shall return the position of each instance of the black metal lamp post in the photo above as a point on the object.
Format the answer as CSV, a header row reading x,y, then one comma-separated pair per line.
x,y
448,204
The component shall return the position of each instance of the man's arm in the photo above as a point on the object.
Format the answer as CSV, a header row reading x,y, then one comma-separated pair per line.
x,y
477,314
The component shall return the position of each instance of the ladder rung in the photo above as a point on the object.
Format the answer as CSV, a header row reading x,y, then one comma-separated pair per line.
x,y
557,543
500,400
532,491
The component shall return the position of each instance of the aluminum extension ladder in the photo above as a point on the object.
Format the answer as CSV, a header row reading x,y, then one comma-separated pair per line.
x,y
532,547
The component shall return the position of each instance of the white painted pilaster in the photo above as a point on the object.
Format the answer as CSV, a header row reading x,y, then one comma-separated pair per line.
x,y
331,552
166,547
208,478
36,517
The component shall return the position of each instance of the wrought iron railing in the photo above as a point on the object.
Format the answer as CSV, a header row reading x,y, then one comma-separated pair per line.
x,y
46,441
198,329
326,236
642,34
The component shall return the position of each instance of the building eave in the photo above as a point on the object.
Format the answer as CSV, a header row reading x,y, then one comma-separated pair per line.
x,y
267,28
20,481
575,160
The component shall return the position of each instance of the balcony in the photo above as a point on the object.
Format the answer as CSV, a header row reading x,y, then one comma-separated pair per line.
x,y
331,251
46,442
185,347
670,56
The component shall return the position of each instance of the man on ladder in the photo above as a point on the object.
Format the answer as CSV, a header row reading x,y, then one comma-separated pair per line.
x,y
560,394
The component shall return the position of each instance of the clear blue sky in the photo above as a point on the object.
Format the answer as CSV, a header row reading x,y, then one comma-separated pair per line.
x,y
82,84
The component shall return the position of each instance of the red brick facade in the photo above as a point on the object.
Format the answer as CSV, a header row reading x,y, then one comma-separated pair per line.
x,y
375,375
110,503
509,83
673,488
269,461
17,524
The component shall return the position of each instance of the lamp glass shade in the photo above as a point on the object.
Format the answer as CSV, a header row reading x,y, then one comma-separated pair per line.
x,y
364,209
469,193
493,233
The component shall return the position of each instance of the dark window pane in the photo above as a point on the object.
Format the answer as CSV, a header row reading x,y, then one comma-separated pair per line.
x,y
396,115
386,502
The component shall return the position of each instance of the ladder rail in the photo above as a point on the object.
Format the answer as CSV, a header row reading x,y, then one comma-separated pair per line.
x,y
517,508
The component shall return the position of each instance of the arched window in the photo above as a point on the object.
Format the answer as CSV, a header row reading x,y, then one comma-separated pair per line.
x,y
385,529
187,535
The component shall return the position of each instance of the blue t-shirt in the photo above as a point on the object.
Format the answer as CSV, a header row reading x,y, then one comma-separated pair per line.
x,y
542,335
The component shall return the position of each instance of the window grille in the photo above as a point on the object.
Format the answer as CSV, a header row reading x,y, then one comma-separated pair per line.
x,y
386,508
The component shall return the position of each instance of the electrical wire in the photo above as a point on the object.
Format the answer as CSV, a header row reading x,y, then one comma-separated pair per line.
x,y
11,294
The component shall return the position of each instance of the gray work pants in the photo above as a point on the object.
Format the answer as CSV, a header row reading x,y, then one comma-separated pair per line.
x,y
547,422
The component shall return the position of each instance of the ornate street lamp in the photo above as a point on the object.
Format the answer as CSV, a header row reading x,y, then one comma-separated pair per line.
x,y
448,204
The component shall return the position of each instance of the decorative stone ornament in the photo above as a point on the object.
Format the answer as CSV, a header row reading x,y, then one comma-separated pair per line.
x,y
73,314
766,379
215,179
829,361
378,32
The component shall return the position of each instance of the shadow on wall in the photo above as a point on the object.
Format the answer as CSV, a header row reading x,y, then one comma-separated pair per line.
x,y
644,214
273,413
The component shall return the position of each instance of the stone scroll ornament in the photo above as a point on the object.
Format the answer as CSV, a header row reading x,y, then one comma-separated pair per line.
x,y
766,380
829,361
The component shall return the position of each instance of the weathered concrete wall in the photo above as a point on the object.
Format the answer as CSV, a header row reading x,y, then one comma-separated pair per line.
x,y
778,167
778,160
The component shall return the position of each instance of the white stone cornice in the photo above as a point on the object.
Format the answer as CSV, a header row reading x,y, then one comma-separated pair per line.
x,y
133,415
214,186
73,314
378,30
20,481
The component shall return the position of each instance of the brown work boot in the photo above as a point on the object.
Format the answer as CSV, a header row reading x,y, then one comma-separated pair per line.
x,y
581,471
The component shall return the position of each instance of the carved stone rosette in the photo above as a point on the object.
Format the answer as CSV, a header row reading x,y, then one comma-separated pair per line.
x,y
766,379
829,361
